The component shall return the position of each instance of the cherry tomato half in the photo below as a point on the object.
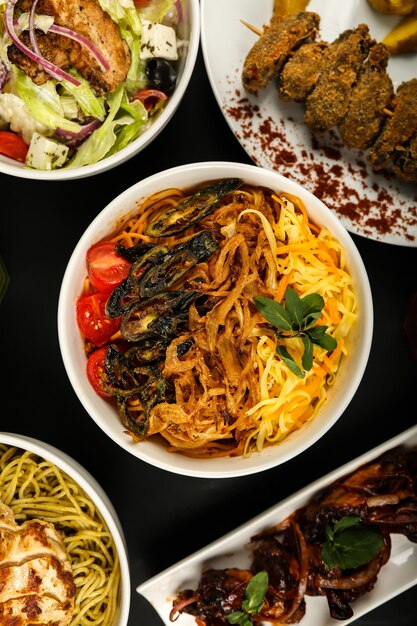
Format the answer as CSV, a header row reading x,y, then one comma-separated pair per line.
x,y
13,146
92,320
149,97
96,372
106,269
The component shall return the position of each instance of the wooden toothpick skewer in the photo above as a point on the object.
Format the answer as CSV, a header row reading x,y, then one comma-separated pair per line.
x,y
253,28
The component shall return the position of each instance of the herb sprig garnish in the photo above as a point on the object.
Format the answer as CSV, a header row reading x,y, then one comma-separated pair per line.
x,y
298,318
350,543
252,602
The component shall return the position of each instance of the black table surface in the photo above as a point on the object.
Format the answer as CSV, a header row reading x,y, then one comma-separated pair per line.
x,y
166,517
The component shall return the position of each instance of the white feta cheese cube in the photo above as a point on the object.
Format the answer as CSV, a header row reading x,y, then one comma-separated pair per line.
x,y
158,41
45,154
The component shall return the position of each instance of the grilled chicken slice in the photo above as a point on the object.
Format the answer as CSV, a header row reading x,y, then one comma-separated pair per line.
x,y
271,50
33,610
328,102
370,95
86,18
398,128
36,579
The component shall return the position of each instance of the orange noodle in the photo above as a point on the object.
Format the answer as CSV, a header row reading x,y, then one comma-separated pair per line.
x,y
233,392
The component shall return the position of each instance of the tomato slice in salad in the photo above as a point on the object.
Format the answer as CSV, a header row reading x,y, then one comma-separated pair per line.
x,y
106,269
149,97
13,146
92,320
96,371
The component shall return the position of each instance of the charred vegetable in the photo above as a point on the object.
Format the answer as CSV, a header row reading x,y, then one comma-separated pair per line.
x,y
122,381
133,253
125,294
153,390
160,316
176,263
189,212
148,350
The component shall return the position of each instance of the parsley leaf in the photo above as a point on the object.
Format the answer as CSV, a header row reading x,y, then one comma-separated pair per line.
x,y
297,319
350,543
252,602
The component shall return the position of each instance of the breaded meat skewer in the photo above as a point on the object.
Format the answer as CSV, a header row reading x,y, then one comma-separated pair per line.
x,y
371,94
271,50
302,70
398,128
328,102
405,161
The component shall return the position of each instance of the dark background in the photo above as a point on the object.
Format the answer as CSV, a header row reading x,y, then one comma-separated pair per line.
x,y
166,517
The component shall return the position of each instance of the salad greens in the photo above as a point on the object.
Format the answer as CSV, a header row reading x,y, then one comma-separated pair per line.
x,y
59,110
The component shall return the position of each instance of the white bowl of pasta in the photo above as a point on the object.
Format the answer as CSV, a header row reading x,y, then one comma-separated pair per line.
x,y
233,319
63,549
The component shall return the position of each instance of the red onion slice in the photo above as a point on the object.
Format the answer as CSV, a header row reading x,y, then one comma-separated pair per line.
x,y
67,32
73,140
32,35
4,74
53,70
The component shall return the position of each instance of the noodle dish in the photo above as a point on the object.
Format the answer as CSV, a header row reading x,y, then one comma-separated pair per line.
x,y
217,317
62,558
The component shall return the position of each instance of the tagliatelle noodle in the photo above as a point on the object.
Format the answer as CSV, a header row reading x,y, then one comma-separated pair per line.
x,y
233,393
36,489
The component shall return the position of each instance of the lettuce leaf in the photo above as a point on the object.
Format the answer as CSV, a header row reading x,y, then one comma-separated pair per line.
x,y
124,13
103,139
89,103
43,103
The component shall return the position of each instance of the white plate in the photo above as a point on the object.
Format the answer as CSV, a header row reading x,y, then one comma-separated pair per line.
x,y
273,133
399,574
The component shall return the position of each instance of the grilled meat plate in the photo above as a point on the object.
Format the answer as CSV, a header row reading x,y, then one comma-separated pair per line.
x,y
398,128
271,50
86,18
370,95
328,102
302,70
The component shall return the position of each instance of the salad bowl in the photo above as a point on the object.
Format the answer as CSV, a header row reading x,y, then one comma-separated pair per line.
x,y
104,412
73,117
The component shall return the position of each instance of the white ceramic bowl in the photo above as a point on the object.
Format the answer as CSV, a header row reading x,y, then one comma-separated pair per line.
x,y
105,415
190,32
91,487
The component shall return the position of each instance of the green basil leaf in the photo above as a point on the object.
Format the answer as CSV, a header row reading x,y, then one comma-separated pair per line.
x,y
346,522
310,320
320,338
329,554
289,361
240,618
307,359
294,307
328,531
358,545
313,303
350,543
255,593
273,312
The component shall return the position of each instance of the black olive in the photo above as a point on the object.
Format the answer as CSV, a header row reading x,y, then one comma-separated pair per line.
x,y
161,75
